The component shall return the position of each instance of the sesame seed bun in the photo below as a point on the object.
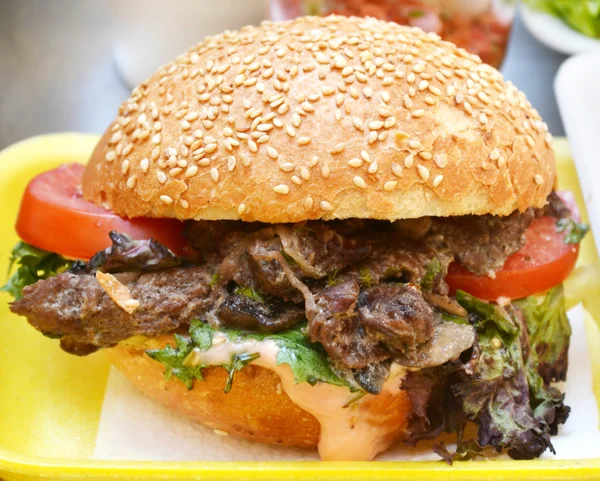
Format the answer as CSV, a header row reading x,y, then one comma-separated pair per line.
x,y
256,408
322,118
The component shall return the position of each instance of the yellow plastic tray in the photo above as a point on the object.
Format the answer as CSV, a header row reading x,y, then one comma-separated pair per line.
x,y
50,401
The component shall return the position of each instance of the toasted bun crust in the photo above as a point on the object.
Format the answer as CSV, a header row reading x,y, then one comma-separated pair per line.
x,y
322,118
254,409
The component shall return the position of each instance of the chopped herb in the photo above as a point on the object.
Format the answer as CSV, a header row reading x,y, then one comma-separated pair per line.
x,y
574,231
308,361
214,279
365,277
434,269
34,264
238,361
249,293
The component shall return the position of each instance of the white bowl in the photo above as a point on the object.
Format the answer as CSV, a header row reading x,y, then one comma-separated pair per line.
x,y
556,34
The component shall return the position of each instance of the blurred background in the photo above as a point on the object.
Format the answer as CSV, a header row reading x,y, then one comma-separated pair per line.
x,y
66,65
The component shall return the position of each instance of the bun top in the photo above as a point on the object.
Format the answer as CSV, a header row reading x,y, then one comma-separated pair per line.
x,y
323,118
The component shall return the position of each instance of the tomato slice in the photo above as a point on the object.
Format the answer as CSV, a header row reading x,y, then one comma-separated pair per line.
x,y
54,216
544,262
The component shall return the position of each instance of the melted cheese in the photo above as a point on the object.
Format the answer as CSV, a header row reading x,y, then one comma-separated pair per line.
x,y
355,431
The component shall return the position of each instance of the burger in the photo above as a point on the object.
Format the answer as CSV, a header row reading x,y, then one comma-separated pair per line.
x,y
327,232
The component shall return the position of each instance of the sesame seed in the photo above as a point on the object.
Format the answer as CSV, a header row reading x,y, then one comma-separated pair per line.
x,y
303,140
161,176
231,163
376,124
423,84
252,146
326,206
290,130
390,185
423,171
435,91
494,154
437,180
368,92
287,166
338,148
110,156
214,174
406,100
355,162
175,171
441,160
415,144
483,118
417,113
372,168
358,124
241,209
396,169
264,127
530,141
131,182
184,203
359,182
501,161
125,167
313,161
389,122
308,203
165,199
325,171
483,97
539,180
409,161
372,137
191,171
296,120
339,62
307,107
281,189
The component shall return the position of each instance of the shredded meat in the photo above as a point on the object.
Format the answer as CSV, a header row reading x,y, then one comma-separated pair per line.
x,y
365,287
482,243
76,306
397,315
337,327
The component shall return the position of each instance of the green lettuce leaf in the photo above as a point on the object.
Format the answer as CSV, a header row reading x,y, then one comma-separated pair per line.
x,y
308,360
33,265
549,332
582,15
501,390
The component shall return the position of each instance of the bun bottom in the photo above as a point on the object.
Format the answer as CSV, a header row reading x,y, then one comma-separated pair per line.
x,y
256,408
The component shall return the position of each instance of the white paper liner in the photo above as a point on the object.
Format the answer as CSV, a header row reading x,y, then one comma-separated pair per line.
x,y
135,428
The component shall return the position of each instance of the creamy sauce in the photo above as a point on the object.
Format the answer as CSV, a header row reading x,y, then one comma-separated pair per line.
x,y
349,431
